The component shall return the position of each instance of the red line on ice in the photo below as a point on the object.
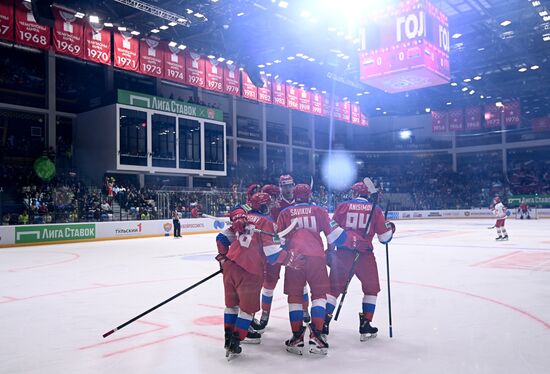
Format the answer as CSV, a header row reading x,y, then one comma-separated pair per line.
x,y
496,258
74,257
157,325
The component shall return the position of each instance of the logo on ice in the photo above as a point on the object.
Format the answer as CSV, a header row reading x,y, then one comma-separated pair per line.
x,y
54,233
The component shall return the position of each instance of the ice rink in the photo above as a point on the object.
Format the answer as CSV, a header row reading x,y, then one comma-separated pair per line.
x,y
462,303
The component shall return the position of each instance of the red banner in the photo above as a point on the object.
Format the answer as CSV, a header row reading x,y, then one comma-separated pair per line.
x,y
456,119
317,103
28,32
250,91
151,57
345,111
337,108
355,114
541,124
231,82
279,92
214,75
126,50
364,120
68,34
327,105
174,64
439,121
304,100
492,117
97,43
6,20
512,114
264,93
473,118
194,69
292,100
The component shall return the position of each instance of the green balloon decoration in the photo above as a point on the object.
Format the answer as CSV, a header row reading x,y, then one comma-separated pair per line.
x,y
44,168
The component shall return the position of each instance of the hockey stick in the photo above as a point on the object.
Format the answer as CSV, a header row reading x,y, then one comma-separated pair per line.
x,y
214,217
161,304
352,270
281,234
388,276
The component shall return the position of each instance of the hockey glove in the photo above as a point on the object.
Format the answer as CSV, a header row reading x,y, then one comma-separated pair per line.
x,y
391,225
221,258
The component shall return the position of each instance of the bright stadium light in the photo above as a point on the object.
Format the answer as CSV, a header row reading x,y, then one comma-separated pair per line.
x,y
172,44
405,134
94,19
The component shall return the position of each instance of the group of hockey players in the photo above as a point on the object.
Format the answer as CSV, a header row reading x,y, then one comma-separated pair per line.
x,y
280,226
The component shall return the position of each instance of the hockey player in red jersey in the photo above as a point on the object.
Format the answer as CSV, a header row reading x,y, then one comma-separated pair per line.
x,y
271,275
354,217
306,241
275,193
243,267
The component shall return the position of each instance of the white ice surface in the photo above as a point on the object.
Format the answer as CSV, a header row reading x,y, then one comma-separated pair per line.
x,y
462,303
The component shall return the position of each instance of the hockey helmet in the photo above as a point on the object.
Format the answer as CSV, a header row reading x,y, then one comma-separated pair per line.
x,y
259,201
285,180
302,193
272,190
360,189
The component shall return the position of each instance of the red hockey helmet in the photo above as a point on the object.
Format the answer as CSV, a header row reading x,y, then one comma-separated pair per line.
x,y
238,219
302,193
272,190
285,180
360,189
259,200
252,189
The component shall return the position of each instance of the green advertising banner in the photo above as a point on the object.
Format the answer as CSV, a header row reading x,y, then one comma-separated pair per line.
x,y
53,233
168,105
532,200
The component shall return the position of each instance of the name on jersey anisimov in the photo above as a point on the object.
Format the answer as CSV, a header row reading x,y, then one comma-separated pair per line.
x,y
299,211
366,207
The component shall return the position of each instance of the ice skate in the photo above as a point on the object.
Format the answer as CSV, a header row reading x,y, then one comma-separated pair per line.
x,y
326,324
253,337
365,329
317,342
505,237
259,326
500,237
233,348
296,343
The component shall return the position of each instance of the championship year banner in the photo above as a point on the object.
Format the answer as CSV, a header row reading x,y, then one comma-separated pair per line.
x,y
439,121
492,117
364,120
355,114
250,91
126,49
317,103
151,57
512,113
214,75
304,100
28,32
292,100
279,92
345,111
264,93
97,43
456,119
231,81
68,34
6,20
473,118
194,69
174,64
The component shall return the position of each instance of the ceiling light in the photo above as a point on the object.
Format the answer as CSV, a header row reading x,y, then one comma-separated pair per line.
x,y
522,70
345,58
546,37
464,89
323,92
299,54
241,69
172,23
535,67
289,81
108,24
290,58
182,46
268,75
268,63
499,104
189,11
154,31
277,61
472,92
283,4
121,28
172,44
211,57
301,85
481,97
79,15
449,103
505,23
536,3
467,80
454,84
221,59
198,15
311,59
261,66
181,20
477,78
546,18
229,62
163,27
240,14
136,33
456,35
543,13
428,110
305,57
404,134
481,49
378,108
94,19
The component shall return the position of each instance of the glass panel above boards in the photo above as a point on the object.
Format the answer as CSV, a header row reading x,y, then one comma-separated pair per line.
x,y
189,144
164,140
214,156
133,137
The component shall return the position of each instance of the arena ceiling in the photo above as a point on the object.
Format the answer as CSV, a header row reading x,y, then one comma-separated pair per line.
x,y
509,60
